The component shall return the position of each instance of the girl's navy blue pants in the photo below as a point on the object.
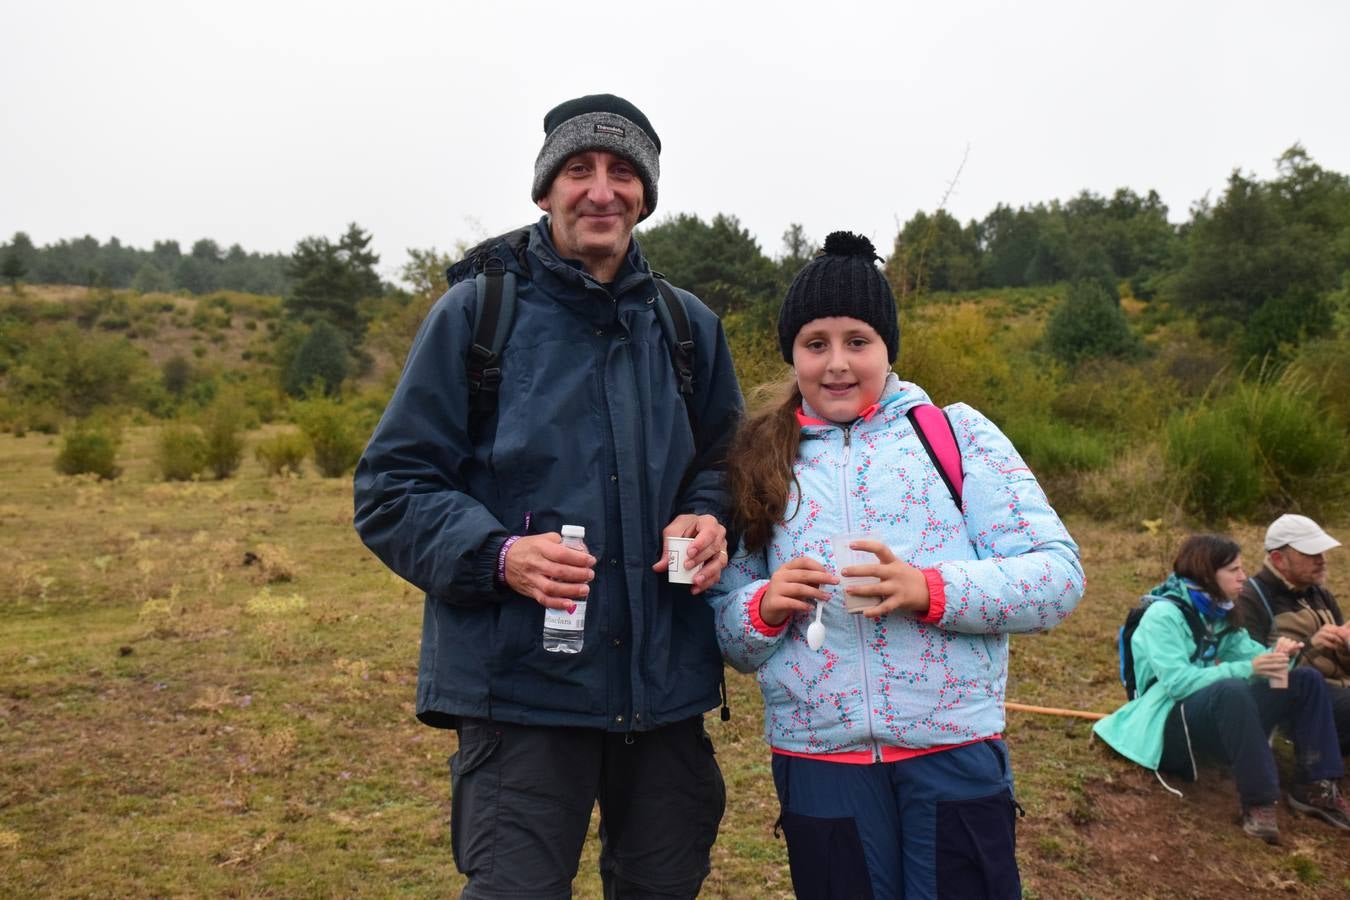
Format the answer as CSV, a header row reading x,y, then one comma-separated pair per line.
x,y
938,825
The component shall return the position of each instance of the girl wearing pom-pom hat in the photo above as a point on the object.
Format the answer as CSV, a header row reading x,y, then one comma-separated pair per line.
x,y
886,724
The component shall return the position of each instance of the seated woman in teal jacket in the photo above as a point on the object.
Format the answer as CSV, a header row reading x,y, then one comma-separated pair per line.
x,y
1221,703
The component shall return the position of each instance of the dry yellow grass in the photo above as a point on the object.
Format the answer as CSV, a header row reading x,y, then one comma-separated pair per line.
x,y
177,720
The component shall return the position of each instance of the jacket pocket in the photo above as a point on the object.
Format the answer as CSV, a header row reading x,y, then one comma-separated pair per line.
x,y
475,797
976,847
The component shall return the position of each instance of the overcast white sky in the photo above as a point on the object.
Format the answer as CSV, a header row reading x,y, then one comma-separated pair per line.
x,y
263,122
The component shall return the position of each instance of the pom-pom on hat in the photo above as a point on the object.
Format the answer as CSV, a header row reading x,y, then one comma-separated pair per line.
x,y
599,122
842,280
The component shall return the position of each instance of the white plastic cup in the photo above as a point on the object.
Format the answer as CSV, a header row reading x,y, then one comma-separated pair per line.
x,y
844,557
1280,681
677,550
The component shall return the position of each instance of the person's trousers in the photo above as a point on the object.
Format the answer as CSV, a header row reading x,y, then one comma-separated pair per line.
x,y
1231,721
521,801
938,825
1340,710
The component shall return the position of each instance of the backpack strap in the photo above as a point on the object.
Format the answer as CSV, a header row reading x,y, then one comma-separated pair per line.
x,y
1204,639
674,321
1200,633
938,437
1260,592
494,312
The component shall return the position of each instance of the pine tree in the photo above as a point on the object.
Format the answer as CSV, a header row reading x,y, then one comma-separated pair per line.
x,y
331,279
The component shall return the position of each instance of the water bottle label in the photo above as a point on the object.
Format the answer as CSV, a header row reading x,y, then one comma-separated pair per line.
x,y
562,620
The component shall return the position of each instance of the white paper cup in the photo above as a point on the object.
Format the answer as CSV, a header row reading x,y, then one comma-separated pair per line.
x,y
844,557
1281,680
677,549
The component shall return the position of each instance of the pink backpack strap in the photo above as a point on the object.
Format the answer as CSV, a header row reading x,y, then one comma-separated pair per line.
x,y
939,439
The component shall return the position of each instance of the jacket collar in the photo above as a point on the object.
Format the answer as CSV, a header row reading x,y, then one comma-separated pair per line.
x,y
570,273
1186,591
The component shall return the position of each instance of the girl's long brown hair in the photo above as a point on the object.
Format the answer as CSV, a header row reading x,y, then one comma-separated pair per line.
x,y
759,463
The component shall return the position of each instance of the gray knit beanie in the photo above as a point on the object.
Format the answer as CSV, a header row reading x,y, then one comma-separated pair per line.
x,y
841,281
599,122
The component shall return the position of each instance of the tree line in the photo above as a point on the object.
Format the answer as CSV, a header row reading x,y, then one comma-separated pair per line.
x,y
1269,260
206,267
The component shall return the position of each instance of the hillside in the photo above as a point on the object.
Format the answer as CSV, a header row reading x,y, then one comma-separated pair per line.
x,y
206,689
238,628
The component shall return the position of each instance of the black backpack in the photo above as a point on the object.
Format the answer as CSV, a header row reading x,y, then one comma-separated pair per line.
x,y
495,311
1206,641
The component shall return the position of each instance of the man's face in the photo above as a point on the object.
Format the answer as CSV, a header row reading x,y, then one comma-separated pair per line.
x,y
1300,569
593,204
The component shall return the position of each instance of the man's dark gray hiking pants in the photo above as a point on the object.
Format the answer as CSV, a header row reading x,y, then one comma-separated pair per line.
x,y
521,801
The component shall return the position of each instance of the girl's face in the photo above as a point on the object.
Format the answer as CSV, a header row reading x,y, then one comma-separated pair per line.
x,y
841,364
1230,578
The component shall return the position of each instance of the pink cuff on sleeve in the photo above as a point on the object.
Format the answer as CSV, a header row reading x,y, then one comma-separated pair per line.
x,y
937,597
760,625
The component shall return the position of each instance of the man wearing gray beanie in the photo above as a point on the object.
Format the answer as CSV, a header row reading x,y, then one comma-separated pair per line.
x,y
594,411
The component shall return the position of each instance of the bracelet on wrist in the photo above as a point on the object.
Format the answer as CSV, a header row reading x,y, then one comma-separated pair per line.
x,y
501,558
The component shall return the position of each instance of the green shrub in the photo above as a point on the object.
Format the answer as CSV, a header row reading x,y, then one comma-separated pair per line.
x,y
1088,324
44,418
1301,448
89,447
1134,487
1111,395
1325,366
1215,462
21,418
1051,447
180,452
321,360
176,374
79,371
282,452
223,431
926,356
335,433
1279,325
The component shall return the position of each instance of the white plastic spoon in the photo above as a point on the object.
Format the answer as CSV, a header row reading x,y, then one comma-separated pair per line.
x,y
815,632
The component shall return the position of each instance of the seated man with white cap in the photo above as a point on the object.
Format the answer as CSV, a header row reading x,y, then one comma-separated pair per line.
x,y
1288,598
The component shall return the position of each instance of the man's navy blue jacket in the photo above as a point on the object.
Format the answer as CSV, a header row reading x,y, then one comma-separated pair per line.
x,y
589,430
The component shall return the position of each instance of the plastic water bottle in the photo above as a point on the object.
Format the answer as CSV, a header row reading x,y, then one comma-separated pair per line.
x,y
563,631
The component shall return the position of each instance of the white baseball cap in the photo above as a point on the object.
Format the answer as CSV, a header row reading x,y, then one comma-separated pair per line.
x,y
1299,532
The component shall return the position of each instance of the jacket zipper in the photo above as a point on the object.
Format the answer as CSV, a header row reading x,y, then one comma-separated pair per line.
x,y
858,617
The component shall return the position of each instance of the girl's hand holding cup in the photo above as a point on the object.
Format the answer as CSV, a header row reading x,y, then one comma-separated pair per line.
x,y
900,585
795,588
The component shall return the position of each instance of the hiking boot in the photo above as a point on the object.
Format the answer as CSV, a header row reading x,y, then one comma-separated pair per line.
x,y
1321,799
1259,822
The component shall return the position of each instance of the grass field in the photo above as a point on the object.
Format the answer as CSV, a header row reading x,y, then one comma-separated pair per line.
x,y
206,690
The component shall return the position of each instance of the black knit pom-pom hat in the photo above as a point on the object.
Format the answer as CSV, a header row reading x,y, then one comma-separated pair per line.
x,y
842,280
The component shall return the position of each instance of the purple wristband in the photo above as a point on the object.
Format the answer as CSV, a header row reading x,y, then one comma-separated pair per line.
x,y
501,558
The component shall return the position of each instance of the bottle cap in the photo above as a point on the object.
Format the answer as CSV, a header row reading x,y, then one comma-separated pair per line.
x,y
576,531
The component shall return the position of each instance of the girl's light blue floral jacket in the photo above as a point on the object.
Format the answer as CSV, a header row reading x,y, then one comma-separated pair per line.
x,y
1007,565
